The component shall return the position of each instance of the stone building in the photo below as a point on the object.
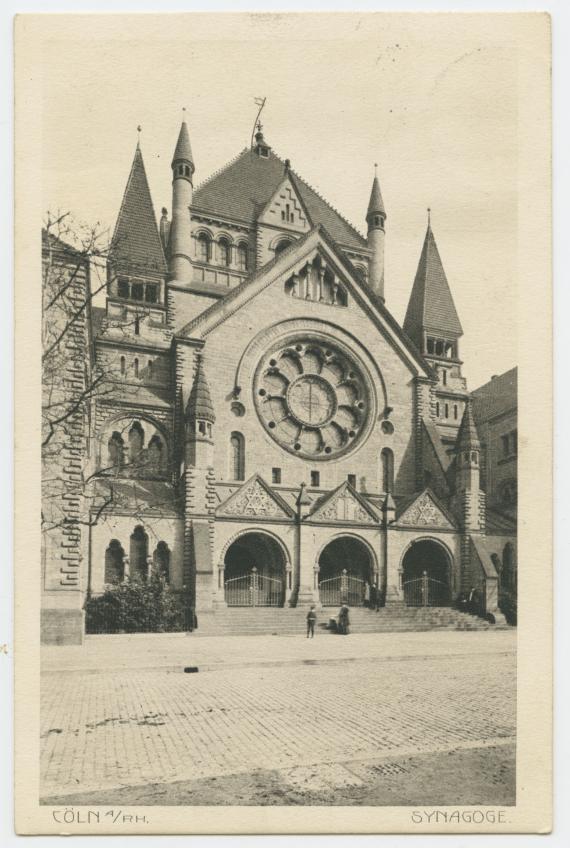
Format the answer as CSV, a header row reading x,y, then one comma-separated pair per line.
x,y
270,435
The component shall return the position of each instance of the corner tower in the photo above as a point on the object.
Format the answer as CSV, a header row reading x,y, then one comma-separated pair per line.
x,y
376,218
136,267
433,325
180,239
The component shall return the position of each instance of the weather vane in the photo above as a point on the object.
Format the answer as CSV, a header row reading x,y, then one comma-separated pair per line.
x,y
259,101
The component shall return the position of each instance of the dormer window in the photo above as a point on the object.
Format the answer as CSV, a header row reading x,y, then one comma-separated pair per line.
x,y
242,257
264,151
203,248
223,252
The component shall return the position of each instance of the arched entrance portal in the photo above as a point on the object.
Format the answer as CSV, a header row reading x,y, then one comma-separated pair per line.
x,y
345,567
426,575
254,572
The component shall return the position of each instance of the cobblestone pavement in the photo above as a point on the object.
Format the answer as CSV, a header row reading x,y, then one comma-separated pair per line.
x,y
123,727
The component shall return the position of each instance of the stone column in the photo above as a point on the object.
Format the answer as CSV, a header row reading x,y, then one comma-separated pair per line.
x,y
392,576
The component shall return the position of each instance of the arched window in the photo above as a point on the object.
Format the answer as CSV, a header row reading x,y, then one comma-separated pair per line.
x,y
155,454
138,553
447,410
161,561
136,367
116,449
136,441
509,569
149,369
437,409
387,461
455,411
509,493
498,565
114,563
237,456
223,252
280,247
242,257
123,365
137,326
203,248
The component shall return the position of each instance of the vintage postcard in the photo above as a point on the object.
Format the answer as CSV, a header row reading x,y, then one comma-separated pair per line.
x,y
283,346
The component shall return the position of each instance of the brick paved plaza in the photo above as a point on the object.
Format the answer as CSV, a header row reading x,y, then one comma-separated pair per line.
x,y
324,713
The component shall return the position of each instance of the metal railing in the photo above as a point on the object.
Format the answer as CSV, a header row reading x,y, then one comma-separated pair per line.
x,y
425,591
254,590
343,589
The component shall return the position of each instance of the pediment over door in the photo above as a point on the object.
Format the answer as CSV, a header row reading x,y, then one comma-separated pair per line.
x,y
426,511
344,504
255,499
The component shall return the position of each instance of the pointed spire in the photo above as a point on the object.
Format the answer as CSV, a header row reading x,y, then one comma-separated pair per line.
x,y
183,150
136,242
376,204
431,305
467,437
200,406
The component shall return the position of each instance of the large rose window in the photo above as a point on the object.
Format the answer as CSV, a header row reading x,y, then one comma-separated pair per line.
x,y
313,398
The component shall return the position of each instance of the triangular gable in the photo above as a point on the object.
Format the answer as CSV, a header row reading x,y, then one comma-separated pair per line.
x,y
285,209
344,504
290,261
426,511
256,499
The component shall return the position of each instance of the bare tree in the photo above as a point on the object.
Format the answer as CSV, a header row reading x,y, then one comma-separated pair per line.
x,y
76,489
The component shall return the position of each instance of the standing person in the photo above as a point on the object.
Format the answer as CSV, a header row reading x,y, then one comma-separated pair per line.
x,y
367,594
343,620
311,621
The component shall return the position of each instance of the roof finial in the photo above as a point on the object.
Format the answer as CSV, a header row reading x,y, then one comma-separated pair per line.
x,y
139,131
183,114
376,169
429,216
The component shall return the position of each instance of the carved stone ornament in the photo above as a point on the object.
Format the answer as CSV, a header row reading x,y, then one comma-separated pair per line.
x,y
343,506
253,499
424,513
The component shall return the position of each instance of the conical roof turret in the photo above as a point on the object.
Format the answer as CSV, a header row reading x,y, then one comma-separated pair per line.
x,y
183,149
431,307
200,406
467,437
136,244
376,204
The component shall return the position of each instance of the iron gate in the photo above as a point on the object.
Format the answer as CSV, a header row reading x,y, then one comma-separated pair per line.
x,y
344,589
424,591
254,590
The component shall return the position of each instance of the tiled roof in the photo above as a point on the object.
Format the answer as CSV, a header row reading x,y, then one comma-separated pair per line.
x,y
431,305
244,186
136,243
497,396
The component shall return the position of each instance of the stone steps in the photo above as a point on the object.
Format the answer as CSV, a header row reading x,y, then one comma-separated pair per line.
x,y
245,621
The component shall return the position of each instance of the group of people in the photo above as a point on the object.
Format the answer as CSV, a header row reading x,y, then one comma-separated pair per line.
x,y
372,599
342,624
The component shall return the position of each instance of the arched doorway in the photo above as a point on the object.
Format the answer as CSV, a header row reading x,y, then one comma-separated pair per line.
x,y
254,572
426,574
345,567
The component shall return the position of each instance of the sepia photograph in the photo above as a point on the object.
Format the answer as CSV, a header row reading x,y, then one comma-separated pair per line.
x,y
280,350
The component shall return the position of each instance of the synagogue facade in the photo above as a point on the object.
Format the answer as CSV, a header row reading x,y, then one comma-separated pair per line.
x,y
269,435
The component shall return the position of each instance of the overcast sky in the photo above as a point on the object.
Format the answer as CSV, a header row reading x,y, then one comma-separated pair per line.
x,y
435,106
